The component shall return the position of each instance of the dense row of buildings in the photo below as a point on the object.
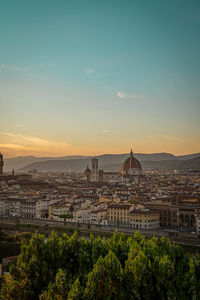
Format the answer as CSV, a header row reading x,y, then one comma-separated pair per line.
x,y
130,198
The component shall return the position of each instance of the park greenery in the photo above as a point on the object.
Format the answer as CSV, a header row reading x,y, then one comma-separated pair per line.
x,y
119,267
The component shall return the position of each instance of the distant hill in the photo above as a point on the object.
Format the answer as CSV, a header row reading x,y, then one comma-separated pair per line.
x,y
22,161
193,164
58,165
174,164
189,156
113,162
149,165
66,164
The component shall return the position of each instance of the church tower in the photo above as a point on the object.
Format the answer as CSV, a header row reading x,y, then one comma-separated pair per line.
x,y
1,163
95,170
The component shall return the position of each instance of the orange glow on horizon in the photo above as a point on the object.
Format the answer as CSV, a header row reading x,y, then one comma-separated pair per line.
x,y
13,145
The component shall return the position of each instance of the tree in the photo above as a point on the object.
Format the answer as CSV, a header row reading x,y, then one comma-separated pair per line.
x,y
58,289
119,245
104,282
76,291
117,268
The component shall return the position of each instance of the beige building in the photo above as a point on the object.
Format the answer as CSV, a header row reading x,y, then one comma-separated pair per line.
x,y
57,210
179,213
129,215
118,214
103,199
98,215
144,219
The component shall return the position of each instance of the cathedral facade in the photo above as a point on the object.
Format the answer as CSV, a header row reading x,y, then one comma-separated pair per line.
x,y
130,172
131,169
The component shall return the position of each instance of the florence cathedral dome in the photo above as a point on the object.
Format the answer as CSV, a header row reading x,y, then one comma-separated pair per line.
x,y
131,165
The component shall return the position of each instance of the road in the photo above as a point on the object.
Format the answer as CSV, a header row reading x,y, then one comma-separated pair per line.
x,y
187,239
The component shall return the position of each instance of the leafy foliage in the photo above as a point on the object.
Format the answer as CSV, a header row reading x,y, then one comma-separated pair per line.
x,y
104,282
117,268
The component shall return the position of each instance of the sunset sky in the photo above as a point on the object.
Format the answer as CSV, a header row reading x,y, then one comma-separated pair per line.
x,y
92,77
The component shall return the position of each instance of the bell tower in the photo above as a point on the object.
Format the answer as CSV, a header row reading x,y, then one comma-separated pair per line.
x,y
1,163
95,171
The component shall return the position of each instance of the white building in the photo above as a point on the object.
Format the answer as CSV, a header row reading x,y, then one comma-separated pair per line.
x,y
2,207
42,209
60,211
198,224
28,208
110,176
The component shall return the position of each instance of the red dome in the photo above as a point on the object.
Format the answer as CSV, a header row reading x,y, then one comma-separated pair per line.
x,y
131,163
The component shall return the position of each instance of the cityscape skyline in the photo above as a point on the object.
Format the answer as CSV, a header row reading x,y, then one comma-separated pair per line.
x,y
95,77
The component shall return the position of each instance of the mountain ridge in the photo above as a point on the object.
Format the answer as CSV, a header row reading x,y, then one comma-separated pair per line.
x,y
107,162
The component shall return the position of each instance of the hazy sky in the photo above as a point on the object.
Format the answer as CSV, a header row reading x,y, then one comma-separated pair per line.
x,y
99,76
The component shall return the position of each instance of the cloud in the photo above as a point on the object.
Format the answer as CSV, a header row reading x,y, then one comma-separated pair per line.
x,y
166,137
124,95
89,72
18,125
8,134
163,138
121,94
20,69
11,68
38,76
18,144
106,131
107,88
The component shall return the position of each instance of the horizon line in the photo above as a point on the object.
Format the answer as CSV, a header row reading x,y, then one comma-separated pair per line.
x,y
136,153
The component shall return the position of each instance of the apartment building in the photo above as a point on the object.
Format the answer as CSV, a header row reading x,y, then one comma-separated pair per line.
x,y
131,216
28,208
178,213
59,209
144,219
118,214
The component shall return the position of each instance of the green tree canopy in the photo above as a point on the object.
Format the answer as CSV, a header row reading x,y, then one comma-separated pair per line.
x,y
117,268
